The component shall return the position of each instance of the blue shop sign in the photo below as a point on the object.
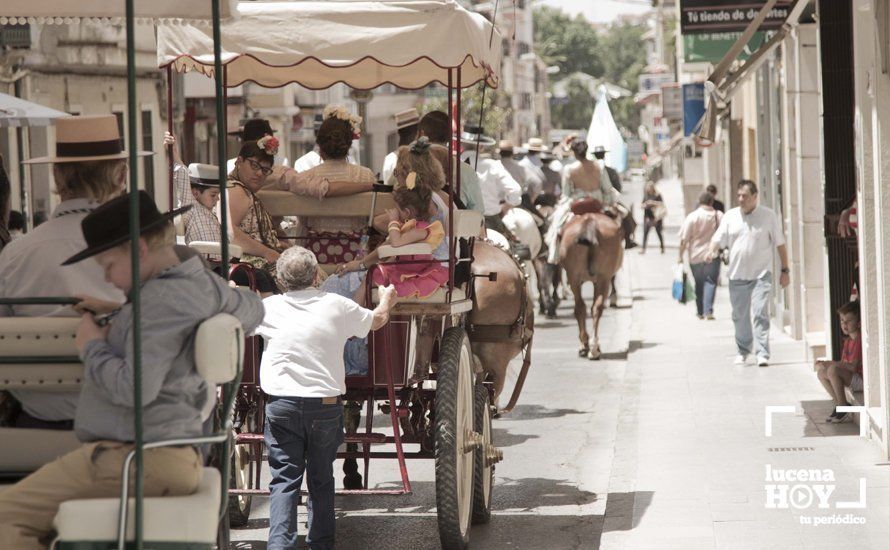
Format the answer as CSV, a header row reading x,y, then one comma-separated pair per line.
x,y
693,106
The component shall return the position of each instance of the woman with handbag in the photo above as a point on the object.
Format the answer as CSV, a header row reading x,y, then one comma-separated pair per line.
x,y
654,212
695,236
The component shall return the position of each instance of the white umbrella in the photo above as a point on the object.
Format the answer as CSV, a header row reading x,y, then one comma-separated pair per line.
x,y
16,112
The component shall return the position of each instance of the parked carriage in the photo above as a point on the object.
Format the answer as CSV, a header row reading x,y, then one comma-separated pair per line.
x,y
445,408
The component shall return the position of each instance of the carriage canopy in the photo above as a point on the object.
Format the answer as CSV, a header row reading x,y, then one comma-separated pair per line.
x,y
363,44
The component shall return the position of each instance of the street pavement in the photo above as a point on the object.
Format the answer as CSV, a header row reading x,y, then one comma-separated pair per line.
x,y
660,445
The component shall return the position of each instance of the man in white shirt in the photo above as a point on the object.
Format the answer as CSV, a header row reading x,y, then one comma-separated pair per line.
x,y
302,372
406,125
87,172
500,192
751,231
533,164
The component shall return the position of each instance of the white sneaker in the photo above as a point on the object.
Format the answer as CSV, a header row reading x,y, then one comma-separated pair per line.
x,y
740,360
762,362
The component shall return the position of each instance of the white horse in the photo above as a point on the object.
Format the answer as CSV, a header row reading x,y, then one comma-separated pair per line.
x,y
522,224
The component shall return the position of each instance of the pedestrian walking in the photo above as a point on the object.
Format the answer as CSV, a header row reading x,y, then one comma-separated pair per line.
x,y
653,215
696,233
718,206
750,232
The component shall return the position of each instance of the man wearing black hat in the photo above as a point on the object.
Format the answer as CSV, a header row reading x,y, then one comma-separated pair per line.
x,y
176,296
599,152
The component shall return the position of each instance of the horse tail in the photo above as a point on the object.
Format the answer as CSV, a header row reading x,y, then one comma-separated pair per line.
x,y
587,237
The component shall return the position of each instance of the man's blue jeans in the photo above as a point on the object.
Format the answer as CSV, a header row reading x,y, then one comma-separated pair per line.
x,y
706,276
302,435
751,297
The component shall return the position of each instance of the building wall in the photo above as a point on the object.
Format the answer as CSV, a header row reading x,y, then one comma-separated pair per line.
x,y
872,121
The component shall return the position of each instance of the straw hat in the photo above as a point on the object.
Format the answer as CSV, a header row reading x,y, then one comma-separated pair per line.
x,y
536,145
505,145
406,118
87,138
205,175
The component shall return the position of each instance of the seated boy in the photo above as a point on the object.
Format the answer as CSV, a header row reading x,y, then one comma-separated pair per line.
x,y
303,374
835,375
175,298
201,223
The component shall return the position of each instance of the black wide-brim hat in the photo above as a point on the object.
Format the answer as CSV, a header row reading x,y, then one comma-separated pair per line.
x,y
109,225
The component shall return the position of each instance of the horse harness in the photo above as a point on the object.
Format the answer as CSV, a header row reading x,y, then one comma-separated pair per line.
x,y
514,332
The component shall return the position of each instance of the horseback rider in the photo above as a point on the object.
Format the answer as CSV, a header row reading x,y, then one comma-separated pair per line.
x,y
583,180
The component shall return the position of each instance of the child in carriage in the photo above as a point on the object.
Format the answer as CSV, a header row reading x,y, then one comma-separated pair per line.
x,y
420,217
176,297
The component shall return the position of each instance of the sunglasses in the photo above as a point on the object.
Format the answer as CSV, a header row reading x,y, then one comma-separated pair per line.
x,y
257,166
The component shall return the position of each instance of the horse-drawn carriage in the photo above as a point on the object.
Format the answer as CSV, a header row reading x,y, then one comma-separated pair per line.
x,y
477,324
438,396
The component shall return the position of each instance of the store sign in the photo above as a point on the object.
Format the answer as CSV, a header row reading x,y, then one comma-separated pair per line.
x,y
652,82
672,101
711,47
703,16
693,106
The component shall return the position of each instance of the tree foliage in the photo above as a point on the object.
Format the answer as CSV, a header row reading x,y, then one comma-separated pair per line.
x,y
574,110
570,43
616,55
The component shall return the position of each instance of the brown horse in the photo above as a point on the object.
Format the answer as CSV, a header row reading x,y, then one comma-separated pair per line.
x,y
502,321
591,249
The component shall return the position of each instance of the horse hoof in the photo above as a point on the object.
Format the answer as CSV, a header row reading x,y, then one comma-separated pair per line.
x,y
583,352
551,315
594,355
352,482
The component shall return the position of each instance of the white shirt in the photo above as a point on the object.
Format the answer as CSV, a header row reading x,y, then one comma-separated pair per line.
x,y
305,332
536,178
389,166
31,266
312,159
751,239
497,186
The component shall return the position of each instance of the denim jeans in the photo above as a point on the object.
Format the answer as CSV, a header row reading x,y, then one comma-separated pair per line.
x,y
706,276
747,297
302,435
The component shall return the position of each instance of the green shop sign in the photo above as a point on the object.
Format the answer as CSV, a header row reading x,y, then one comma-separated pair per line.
x,y
711,47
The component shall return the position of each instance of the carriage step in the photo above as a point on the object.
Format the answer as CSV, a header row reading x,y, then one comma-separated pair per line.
x,y
372,438
249,438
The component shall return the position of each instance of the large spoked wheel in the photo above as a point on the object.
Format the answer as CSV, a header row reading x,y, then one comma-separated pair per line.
x,y
455,439
241,478
485,457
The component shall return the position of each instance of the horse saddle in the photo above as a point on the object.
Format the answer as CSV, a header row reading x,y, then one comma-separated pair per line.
x,y
587,206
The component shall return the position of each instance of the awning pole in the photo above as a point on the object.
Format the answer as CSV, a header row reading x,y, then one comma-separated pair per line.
x,y
134,258
219,78
723,66
171,200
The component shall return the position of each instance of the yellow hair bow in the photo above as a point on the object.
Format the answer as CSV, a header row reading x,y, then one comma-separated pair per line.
x,y
411,180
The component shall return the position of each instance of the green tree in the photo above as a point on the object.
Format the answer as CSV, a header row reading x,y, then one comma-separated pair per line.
x,y
569,43
574,110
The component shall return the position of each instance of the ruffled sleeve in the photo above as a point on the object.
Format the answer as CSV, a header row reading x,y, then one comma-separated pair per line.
x,y
435,234
301,183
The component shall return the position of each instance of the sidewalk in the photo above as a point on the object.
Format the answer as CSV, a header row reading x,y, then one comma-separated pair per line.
x,y
691,454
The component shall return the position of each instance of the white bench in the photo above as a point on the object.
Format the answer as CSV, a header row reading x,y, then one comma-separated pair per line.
x,y
46,346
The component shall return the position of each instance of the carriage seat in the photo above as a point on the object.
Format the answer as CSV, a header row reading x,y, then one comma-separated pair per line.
x,y
193,519
285,203
183,519
37,353
215,248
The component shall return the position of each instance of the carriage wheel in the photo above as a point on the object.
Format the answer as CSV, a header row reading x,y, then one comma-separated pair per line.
x,y
455,439
241,478
484,459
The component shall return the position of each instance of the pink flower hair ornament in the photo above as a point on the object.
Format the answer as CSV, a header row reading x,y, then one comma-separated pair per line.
x,y
269,144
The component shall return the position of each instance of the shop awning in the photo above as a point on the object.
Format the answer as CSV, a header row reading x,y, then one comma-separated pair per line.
x,y
363,44
49,12
721,85
15,112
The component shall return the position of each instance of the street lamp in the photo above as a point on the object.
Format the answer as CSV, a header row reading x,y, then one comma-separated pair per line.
x,y
361,98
